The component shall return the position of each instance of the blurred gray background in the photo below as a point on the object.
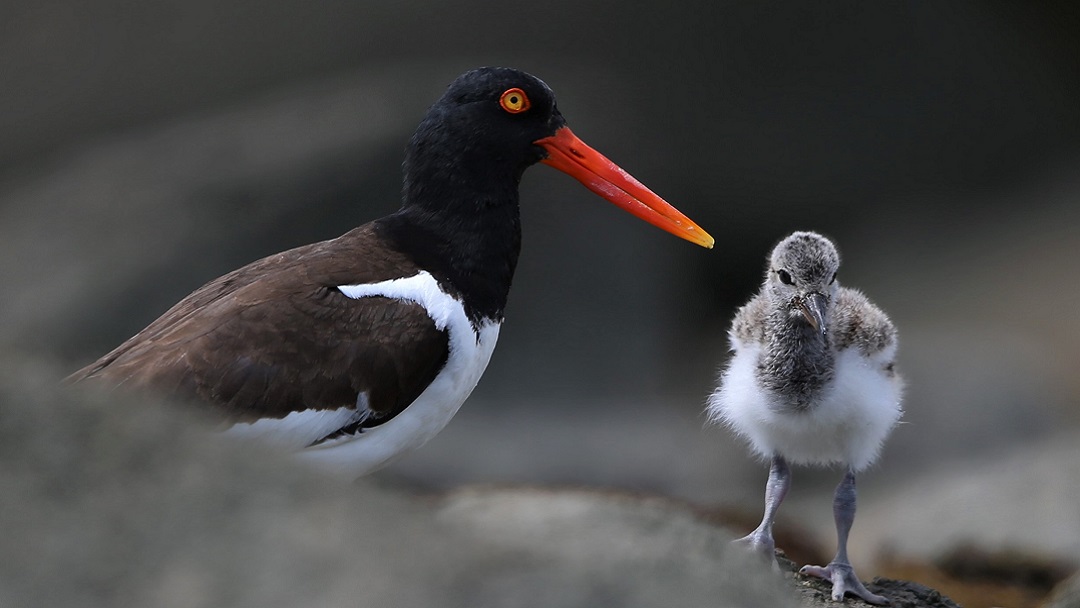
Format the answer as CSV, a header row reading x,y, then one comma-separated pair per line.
x,y
148,147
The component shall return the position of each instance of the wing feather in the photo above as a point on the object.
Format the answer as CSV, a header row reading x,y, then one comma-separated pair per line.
x,y
277,337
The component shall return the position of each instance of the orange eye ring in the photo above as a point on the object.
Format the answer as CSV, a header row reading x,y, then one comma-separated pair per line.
x,y
514,101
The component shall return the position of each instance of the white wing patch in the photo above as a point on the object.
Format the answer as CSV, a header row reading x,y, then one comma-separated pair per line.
x,y
297,430
421,288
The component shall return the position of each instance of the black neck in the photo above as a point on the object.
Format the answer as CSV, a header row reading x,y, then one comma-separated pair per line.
x,y
459,217
469,241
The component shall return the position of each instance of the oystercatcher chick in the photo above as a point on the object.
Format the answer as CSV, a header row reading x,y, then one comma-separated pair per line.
x,y
812,381
357,349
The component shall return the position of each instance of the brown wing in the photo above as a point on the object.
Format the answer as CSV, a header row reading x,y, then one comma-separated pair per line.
x,y
277,336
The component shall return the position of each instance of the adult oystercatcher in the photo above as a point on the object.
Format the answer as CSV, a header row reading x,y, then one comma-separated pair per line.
x,y
812,381
357,349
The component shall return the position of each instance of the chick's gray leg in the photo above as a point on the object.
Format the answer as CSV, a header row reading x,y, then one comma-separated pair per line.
x,y
839,571
761,539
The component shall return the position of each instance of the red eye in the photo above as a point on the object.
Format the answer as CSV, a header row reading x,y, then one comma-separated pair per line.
x,y
514,101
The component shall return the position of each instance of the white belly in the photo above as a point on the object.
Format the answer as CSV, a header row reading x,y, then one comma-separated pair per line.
x,y
469,352
857,411
377,447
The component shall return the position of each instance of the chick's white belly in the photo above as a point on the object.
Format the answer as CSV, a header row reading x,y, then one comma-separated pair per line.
x,y
848,425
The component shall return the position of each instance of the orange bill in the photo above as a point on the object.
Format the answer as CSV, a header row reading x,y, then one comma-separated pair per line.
x,y
574,157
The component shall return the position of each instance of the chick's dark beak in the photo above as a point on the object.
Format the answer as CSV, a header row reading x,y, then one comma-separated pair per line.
x,y
813,307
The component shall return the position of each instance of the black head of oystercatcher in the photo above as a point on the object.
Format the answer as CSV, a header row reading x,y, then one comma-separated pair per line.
x,y
357,349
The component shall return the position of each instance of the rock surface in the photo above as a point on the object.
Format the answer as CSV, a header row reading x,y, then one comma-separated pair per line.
x,y
816,593
110,502
1067,595
1020,501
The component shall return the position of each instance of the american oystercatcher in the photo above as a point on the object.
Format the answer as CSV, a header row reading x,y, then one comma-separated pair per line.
x,y
357,349
812,380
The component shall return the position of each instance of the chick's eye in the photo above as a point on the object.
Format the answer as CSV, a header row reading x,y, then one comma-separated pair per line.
x,y
514,101
785,277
